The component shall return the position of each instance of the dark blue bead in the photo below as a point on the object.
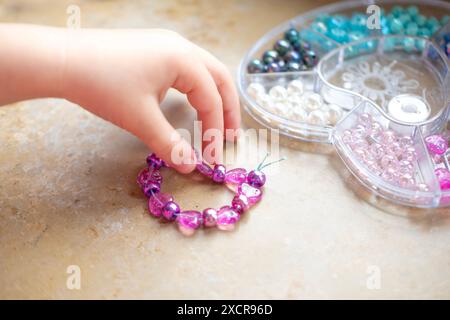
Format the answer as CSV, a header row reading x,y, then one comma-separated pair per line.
x,y
302,45
291,35
294,66
270,56
282,46
309,58
293,56
255,66
272,67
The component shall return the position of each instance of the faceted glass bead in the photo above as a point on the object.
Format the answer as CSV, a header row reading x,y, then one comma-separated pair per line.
x,y
240,203
436,144
156,202
227,217
253,194
154,162
236,176
150,188
443,176
143,177
189,221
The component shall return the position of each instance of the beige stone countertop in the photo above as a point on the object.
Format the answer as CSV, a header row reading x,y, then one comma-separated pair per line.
x,y
68,195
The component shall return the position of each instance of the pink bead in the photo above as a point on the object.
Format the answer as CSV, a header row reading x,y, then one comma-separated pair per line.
x,y
365,119
156,202
359,131
209,217
405,141
396,149
377,150
143,177
204,169
189,221
443,176
436,144
376,131
253,194
219,173
240,203
406,180
236,176
388,137
227,217
389,161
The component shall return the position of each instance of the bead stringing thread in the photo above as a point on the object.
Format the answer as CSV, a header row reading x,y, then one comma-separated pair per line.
x,y
161,205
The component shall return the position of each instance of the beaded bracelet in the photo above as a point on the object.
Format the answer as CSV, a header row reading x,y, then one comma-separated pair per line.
x,y
162,205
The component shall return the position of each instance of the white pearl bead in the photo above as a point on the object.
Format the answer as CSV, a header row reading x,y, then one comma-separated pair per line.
x,y
299,114
312,101
264,100
317,117
295,87
278,92
283,109
254,89
334,113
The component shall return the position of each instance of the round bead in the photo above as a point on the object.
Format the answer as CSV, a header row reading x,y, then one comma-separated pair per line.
x,y
317,117
334,113
170,210
255,66
295,87
227,217
294,66
255,90
156,202
256,178
292,56
291,35
436,144
309,58
143,177
219,173
300,114
312,101
278,92
209,217
272,67
270,56
151,188
282,46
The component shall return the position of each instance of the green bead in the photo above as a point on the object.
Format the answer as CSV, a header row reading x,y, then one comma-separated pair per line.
x,y
396,26
412,10
411,29
420,20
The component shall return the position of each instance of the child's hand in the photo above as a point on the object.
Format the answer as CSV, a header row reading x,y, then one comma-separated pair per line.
x,y
123,75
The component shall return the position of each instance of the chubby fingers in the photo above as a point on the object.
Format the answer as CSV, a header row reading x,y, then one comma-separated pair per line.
x,y
197,83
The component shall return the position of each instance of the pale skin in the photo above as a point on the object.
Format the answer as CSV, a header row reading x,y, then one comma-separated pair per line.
x,y
122,76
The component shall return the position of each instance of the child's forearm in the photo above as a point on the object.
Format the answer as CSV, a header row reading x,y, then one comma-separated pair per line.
x,y
32,62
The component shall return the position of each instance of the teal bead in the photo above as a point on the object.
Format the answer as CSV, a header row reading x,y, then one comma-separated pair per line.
x,y
323,17
270,56
255,66
337,21
355,36
411,29
389,44
282,46
292,35
445,19
412,10
409,44
420,44
338,35
424,32
319,27
405,18
396,26
431,22
420,20
434,28
397,11
358,22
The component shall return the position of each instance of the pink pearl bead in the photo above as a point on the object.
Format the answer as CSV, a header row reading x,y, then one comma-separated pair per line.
x,y
253,194
209,217
156,202
236,176
227,217
436,144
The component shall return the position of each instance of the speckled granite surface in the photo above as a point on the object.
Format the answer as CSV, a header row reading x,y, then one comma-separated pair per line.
x,y
68,195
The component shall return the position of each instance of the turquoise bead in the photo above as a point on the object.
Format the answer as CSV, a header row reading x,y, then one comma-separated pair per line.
x,y
412,10
396,26
337,21
358,22
397,11
432,22
355,36
445,19
323,17
292,35
319,27
411,29
424,32
409,44
405,18
338,35
420,20
420,44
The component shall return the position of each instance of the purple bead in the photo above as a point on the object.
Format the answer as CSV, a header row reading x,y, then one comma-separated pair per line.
x,y
188,221
253,194
227,217
236,176
240,203
443,176
256,178
219,173
156,202
155,176
154,162
209,217
204,169
170,210
436,144
151,188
